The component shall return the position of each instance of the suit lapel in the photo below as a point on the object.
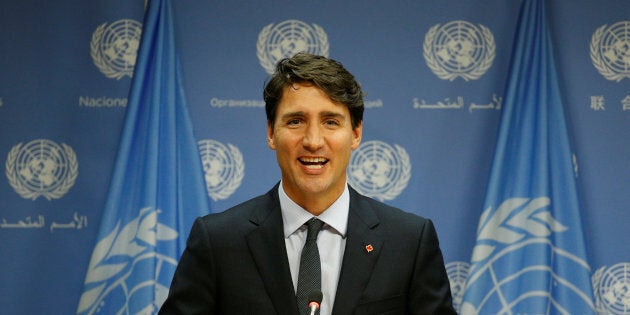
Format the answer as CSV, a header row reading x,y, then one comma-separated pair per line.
x,y
363,245
266,244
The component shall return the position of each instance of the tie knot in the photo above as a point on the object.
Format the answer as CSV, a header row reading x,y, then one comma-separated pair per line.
x,y
314,225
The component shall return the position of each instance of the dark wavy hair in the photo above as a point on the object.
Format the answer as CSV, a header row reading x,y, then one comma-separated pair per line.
x,y
327,74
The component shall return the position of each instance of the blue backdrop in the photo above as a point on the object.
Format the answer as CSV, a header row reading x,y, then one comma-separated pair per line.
x,y
434,73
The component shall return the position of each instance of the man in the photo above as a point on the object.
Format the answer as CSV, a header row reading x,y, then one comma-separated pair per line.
x,y
374,259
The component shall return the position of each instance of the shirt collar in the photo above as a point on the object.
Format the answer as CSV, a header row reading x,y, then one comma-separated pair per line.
x,y
294,216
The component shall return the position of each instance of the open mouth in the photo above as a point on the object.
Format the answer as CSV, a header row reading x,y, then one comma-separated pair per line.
x,y
313,163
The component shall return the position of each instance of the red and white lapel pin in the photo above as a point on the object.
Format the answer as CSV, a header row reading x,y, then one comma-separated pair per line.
x,y
369,248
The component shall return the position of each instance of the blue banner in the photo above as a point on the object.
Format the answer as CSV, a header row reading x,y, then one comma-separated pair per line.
x,y
157,188
530,255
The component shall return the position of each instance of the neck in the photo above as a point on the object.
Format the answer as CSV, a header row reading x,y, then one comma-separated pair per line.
x,y
315,205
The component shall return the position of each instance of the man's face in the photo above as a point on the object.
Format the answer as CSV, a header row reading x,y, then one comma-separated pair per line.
x,y
313,139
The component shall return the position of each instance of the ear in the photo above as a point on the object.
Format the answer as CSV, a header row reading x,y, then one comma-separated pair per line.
x,y
357,133
270,141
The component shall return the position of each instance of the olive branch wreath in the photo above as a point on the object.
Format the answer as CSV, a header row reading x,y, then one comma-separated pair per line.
x,y
598,61
268,63
128,243
58,191
98,59
234,182
442,73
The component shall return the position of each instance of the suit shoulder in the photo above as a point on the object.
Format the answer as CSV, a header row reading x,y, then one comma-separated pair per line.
x,y
241,214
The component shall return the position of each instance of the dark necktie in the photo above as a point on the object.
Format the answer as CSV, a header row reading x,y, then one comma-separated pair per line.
x,y
310,275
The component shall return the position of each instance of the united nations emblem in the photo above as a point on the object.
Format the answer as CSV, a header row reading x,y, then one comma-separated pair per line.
x,y
287,38
523,227
114,48
223,167
122,270
457,272
612,289
379,170
41,168
610,51
459,49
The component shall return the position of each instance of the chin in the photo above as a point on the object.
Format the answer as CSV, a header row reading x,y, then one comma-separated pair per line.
x,y
317,187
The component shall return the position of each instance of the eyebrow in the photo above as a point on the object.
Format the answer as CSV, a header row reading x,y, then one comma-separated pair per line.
x,y
332,115
327,114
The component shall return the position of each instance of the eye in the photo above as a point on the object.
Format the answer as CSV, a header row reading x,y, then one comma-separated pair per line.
x,y
331,123
293,122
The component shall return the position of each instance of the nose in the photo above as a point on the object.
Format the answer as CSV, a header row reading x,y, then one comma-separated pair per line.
x,y
313,138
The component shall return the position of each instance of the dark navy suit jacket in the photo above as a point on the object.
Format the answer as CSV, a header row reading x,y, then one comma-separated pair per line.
x,y
236,263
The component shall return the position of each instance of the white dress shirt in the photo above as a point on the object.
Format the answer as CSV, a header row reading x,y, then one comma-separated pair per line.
x,y
331,241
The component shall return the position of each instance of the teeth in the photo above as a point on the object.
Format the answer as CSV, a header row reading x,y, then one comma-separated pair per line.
x,y
313,160
314,163
314,166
